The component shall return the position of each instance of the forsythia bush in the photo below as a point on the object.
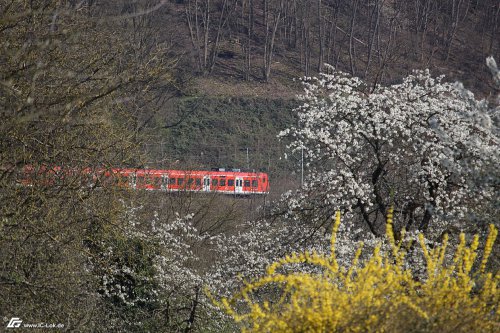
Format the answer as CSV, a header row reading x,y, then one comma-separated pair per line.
x,y
376,295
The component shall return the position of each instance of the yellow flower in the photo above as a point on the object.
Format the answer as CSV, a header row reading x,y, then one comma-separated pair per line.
x,y
376,295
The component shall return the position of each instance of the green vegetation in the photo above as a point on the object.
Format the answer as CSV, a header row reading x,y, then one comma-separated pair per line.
x,y
215,132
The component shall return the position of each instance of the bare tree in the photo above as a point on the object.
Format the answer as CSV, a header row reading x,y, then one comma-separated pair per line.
x,y
321,33
66,76
272,16
352,62
206,21
374,32
458,13
249,17
198,19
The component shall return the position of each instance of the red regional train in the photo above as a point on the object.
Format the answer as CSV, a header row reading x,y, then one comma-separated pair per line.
x,y
224,181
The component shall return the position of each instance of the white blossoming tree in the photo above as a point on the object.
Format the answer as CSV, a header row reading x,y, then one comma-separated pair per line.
x,y
424,145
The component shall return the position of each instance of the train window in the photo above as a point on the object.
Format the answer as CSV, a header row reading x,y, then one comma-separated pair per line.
x,y
105,179
247,183
180,181
190,181
198,182
215,182
87,179
156,182
123,180
171,181
254,183
222,182
230,182
140,180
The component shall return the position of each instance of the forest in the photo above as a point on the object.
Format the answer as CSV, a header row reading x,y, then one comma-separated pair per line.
x,y
377,122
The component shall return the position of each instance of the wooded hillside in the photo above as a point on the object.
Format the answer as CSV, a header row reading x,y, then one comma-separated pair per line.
x,y
257,49
379,40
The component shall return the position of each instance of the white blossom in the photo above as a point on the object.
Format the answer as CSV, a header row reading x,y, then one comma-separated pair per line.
x,y
423,143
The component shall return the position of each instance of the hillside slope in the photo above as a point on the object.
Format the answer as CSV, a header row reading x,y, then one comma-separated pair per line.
x,y
236,41
241,59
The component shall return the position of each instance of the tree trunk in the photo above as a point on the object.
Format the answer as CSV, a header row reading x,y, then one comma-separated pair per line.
x,y
270,36
351,38
321,39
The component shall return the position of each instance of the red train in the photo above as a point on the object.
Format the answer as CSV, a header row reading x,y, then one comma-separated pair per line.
x,y
217,180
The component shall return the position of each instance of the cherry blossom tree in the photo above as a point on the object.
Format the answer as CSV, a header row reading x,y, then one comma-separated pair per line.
x,y
424,145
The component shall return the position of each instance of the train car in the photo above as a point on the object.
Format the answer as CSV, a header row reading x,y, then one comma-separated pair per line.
x,y
43,175
217,180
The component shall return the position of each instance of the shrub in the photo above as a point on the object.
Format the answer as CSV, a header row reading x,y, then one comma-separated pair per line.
x,y
311,292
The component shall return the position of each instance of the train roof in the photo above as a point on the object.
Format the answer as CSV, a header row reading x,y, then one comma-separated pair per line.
x,y
159,172
200,173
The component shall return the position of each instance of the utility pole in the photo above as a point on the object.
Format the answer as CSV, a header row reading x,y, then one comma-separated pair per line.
x,y
248,161
302,167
